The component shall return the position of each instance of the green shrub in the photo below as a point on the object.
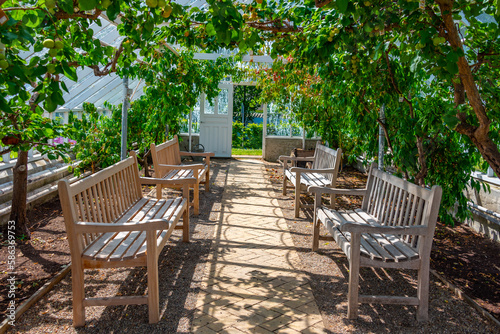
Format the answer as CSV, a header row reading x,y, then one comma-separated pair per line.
x,y
98,140
249,137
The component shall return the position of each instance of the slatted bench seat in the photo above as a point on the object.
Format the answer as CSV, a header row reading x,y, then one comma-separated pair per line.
x,y
168,166
393,228
110,224
323,172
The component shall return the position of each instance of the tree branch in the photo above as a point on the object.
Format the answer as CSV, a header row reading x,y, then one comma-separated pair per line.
x,y
7,150
379,121
466,76
394,84
274,26
59,15
321,3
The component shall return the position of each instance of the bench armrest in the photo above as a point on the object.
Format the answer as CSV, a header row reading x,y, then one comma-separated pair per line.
x,y
197,154
336,191
365,228
152,180
307,170
146,225
286,157
170,167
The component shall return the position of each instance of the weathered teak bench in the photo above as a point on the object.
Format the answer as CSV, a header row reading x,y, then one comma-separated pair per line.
x,y
324,170
393,229
167,165
110,224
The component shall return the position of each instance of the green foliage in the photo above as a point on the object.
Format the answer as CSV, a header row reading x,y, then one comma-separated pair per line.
x,y
98,140
349,59
238,134
440,85
248,97
168,98
248,137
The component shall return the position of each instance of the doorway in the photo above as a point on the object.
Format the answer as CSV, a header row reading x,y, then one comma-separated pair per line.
x,y
216,120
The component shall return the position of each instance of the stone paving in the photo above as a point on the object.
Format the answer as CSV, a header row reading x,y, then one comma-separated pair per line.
x,y
251,284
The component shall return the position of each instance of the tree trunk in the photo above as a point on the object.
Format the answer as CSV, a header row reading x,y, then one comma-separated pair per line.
x,y
479,135
422,160
19,196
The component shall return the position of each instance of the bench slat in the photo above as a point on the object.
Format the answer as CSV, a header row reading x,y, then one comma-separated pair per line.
x,y
344,238
114,246
331,225
165,234
371,246
290,176
315,179
400,250
136,238
95,247
135,249
150,211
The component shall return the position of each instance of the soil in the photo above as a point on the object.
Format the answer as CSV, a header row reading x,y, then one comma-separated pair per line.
x,y
461,255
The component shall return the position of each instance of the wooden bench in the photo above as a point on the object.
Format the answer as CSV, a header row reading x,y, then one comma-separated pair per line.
x,y
110,224
393,229
323,172
167,165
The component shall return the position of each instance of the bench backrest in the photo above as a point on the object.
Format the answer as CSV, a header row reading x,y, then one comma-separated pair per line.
x,y
101,198
325,157
167,153
396,202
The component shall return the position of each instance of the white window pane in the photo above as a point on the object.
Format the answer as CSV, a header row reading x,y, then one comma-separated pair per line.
x,y
223,102
209,107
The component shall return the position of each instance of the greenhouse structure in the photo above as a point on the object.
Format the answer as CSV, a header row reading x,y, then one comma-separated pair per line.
x,y
250,166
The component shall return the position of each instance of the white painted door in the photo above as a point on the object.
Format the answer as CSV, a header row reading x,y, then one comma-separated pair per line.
x,y
216,120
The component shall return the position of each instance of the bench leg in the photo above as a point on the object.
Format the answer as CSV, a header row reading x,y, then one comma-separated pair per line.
x,y
196,199
352,296
297,195
158,191
423,291
185,216
153,290
332,201
207,180
78,294
284,183
316,226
